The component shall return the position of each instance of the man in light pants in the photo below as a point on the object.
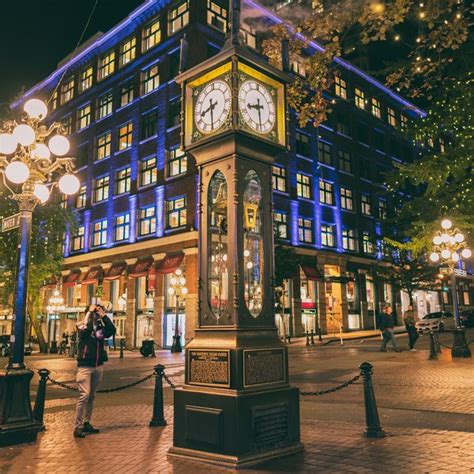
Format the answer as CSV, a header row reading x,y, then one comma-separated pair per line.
x,y
91,355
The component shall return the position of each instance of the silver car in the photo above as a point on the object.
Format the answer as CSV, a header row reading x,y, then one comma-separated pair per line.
x,y
438,321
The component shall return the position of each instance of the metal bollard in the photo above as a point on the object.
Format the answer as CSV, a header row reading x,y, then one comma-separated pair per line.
x,y
307,338
373,430
158,410
437,344
320,335
122,343
38,411
433,354
312,337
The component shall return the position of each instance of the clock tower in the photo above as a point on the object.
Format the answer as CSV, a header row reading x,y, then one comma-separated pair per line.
x,y
236,408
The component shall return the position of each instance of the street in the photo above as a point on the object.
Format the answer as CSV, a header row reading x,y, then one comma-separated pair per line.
x,y
426,408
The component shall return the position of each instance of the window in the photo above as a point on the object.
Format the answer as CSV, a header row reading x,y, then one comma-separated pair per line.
x,y
82,156
366,208
147,221
382,209
303,186
302,144
363,133
127,93
85,78
101,189
365,168
343,124
340,87
279,178
67,124
84,116
173,64
178,16
125,136
123,180
148,171
376,111
281,225
379,140
99,233
326,192
105,105
67,90
151,35
216,16
298,66
150,79
249,35
63,203
122,227
324,153
442,145
81,198
128,51
78,239
148,125
391,117
347,200
177,162
345,161
359,98
104,145
54,100
328,235
174,113
348,239
367,245
106,65
305,230
176,212
404,122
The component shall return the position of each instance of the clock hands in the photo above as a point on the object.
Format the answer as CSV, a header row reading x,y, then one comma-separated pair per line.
x,y
212,106
258,107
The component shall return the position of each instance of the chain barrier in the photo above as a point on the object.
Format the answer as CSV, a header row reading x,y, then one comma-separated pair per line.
x,y
451,347
169,381
333,389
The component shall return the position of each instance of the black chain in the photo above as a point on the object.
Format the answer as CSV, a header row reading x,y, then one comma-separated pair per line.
x,y
168,381
333,389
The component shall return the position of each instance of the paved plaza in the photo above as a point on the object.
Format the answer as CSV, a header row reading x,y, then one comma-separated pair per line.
x,y
426,408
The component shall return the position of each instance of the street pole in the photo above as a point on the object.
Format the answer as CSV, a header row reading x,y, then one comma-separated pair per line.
x,y
176,347
454,295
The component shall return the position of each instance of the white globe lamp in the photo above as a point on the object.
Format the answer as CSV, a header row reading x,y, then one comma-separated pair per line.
x,y
41,192
8,143
69,184
446,224
41,151
434,257
59,145
36,108
437,240
459,237
17,172
466,253
24,134
446,254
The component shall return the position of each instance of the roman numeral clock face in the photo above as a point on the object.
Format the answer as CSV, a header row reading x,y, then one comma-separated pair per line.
x,y
257,107
212,107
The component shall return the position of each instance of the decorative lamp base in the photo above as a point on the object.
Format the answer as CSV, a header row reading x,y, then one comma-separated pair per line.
x,y
176,347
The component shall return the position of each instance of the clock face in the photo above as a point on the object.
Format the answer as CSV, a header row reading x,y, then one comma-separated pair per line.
x,y
212,106
256,106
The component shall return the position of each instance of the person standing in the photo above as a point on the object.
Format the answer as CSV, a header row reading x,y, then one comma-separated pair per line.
x,y
386,326
91,356
409,319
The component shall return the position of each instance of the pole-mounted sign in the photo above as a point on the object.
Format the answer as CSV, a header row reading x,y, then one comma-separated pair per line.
x,y
11,222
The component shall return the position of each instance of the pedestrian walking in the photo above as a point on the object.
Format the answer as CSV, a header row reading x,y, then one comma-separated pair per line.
x,y
64,342
73,351
409,319
91,356
386,326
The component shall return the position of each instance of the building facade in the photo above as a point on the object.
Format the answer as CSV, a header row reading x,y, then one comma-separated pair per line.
x,y
137,207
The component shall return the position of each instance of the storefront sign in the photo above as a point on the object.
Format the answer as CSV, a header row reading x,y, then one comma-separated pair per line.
x,y
114,272
264,366
460,272
170,263
211,368
11,222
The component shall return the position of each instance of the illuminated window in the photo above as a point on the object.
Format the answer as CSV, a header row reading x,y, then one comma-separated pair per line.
x,y
324,153
303,185
376,110
122,227
178,16
367,244
298,66
105,105
84,116
345,161
101,189
366,207
148,125
302,144
404,122
176,212
99,233
106,65
382,209
249,36
328,235
78,239
148,171
305,230
442,145
104,145
67,124
391,117
216,16
326,192
340,87
54,100
348,239
347,200
123,181
128,51
359,97
63,203
147,221
279,178
151,35
85,78
150,79
67,90
127,93
125,136
281,225
81,198
177,162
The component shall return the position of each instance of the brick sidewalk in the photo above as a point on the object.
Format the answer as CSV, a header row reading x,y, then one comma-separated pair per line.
x,y
128,445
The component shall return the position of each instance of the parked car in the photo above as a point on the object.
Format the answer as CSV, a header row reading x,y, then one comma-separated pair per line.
x,y
438,321
5,346
467,318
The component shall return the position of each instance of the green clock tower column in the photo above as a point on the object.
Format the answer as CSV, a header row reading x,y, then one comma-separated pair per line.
x,y
236,407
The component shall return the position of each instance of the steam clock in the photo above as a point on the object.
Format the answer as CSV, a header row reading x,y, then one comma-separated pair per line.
x,y
236,407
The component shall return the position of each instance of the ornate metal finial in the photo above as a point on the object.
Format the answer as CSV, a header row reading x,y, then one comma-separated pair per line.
x,y
233,35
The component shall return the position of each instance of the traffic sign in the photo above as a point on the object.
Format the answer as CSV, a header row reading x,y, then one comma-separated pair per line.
x,y
11,222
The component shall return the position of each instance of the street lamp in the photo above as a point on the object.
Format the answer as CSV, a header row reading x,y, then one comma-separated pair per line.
x,y
32,159
178,289
55,306
449,247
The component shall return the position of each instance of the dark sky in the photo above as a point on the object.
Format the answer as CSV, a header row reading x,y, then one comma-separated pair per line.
x,y
36,34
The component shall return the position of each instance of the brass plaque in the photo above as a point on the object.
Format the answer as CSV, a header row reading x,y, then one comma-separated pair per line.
x,y
211,368
264,366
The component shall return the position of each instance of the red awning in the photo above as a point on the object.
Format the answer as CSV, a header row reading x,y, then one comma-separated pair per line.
x,y
170,263
308,305
311,271
72,278
51,282
114,272
140,268
93,275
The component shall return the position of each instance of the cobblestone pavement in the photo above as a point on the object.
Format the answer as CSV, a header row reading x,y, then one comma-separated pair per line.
x,y
426,407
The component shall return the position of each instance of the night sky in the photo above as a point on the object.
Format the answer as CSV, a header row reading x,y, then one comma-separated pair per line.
x,y
36,34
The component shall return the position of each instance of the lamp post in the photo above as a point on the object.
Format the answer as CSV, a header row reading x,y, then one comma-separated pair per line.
x,y
449,247
32,159
55,305
179,290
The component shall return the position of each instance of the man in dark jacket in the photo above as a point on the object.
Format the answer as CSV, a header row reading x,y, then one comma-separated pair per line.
x,y
90,357
386,326
410,324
